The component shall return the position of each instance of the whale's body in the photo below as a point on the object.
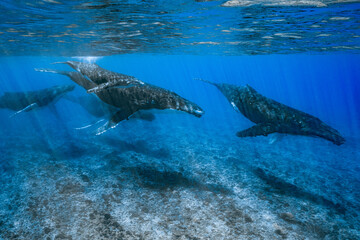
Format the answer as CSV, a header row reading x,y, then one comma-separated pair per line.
x,y
271,116
95,107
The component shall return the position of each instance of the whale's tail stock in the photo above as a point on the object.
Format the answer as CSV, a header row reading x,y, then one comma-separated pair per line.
x,y
205,81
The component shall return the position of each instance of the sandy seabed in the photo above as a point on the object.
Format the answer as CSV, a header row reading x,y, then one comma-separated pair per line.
x,y
179,181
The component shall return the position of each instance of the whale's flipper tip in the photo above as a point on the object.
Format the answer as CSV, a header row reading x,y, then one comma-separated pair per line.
x,y
114,121
324,131
104,128
340,142
275,138
335,138
90,125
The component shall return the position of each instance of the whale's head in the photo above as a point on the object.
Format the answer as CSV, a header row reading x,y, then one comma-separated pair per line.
x,y
193,109
60,90
187,106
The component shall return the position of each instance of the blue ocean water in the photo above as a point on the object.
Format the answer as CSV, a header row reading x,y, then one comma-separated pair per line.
x,y
178,176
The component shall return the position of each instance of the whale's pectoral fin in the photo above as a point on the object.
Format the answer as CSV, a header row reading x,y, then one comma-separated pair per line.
x,y
275,138
26,109
116,83
119,116
90,125
261,129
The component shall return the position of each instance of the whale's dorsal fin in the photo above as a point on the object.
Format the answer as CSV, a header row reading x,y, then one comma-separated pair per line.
x,y
261,129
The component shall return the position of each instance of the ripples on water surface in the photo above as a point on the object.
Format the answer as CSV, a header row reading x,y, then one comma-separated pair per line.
x,y
181,177
55,27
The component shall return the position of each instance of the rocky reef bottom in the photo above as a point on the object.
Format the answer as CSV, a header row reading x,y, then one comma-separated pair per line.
x,y
178,181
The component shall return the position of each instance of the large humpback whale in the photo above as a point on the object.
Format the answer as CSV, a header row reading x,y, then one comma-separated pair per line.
x,y
271,116
27,101
124,92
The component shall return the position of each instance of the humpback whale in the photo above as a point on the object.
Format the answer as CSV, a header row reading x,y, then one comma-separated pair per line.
x,y
124,92
27,101
271,116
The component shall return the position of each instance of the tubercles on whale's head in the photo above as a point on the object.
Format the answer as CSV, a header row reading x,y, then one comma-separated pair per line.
x,y
181,104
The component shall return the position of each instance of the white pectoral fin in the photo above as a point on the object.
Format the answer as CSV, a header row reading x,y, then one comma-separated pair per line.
x,y
108,125
235,107
275,138
26,109
107,85
115,120
90,125
47,70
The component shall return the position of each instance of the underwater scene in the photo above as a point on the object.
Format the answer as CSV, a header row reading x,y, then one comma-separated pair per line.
x,y
187,119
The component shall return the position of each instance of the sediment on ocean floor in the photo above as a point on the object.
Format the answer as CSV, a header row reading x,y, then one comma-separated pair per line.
x,y
171,186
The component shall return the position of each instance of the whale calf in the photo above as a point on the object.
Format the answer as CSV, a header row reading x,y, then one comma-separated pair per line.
x,y
124,92
27,101
271,116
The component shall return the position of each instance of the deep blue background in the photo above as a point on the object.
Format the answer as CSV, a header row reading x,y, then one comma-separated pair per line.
x,y
326,86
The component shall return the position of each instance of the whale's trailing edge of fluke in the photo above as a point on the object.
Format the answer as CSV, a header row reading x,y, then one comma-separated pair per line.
x,y
271,116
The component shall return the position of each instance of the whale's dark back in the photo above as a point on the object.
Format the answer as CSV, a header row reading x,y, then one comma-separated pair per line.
x,y
259,108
